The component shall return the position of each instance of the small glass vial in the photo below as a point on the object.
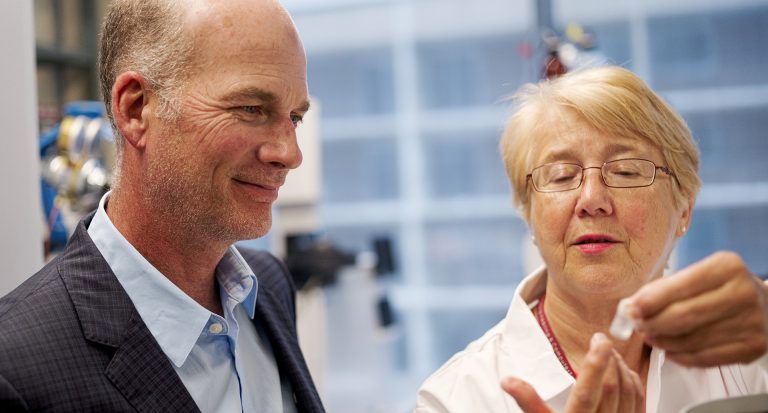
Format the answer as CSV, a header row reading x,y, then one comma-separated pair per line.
x,y
622,324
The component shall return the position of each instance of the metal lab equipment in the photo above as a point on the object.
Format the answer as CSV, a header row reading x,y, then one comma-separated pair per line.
x,y
77,157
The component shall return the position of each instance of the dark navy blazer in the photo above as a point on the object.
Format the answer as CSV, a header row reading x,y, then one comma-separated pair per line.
x,y
72,341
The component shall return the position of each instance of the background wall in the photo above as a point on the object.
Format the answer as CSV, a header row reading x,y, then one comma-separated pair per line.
x,y
21,243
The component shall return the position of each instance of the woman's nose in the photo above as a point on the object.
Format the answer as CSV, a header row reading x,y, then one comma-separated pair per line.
x,y
594,197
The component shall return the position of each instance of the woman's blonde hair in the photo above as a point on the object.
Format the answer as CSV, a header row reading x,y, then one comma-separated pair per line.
x,y
610,99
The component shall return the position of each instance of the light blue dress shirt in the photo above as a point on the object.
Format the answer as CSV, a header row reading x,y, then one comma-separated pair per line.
x,y
226,363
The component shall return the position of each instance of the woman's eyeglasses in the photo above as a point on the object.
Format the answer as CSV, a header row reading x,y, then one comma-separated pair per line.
x,y
621,173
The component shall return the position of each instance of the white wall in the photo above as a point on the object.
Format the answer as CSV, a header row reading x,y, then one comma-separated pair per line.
x,y
21,219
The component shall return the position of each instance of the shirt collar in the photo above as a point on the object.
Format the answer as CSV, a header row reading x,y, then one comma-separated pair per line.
x,y
540,367
237,280
174,319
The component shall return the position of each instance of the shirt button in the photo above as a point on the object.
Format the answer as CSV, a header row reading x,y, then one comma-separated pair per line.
x,y
215,328
246,284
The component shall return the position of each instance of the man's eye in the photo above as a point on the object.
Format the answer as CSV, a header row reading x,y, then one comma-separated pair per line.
x,y
253,110
296,119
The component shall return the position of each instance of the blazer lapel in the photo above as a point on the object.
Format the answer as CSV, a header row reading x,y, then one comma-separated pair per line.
x,y
144,375
139,369
287,352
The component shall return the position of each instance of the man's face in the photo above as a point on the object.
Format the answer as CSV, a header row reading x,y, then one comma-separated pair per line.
x,y
217,168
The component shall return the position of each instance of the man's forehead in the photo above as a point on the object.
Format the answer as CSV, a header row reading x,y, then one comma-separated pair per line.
x,y
231,15
248,33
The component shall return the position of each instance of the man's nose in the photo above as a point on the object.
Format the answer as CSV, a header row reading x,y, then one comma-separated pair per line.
x,y
282,148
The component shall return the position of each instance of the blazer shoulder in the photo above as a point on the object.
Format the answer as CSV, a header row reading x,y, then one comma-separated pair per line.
x,y
42,286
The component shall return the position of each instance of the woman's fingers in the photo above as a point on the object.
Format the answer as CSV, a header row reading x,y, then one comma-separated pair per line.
x,y
712,312
639,393
707,274
631,395
611,395
605,385
587,393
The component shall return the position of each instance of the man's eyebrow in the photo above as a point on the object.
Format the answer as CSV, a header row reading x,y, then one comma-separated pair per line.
x,y
265,96
250,93
304,107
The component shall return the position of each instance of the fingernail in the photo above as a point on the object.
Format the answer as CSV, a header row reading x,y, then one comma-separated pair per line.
x,y
597,338
600,345
510,382
639,325
633,311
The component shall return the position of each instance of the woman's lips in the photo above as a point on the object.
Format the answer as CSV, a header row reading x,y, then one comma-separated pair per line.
x,y
595,247
595,243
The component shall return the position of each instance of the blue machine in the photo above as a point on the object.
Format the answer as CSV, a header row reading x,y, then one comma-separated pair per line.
x,y
77,158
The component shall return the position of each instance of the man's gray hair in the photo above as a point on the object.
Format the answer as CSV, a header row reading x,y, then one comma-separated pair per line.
x,y
146,36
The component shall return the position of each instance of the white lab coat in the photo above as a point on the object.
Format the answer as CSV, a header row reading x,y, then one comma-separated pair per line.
x,y
470,381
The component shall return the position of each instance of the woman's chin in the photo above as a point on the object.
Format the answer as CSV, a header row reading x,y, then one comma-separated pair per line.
x,y
604,280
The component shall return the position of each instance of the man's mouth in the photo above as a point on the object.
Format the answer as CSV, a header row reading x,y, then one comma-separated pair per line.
x,y
268,186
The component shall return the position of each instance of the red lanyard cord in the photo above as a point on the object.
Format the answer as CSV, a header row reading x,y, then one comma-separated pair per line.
x,y
541,317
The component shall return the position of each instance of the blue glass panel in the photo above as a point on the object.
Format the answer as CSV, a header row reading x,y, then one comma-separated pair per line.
x,y
466,72
714,48
465,165
736,229
352,82
732,143
359,170
482,251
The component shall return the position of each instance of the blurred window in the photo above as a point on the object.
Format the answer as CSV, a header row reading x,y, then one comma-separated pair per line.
x,y
465,164
707,49
733,229
613,41
732,143
475,252
352,82
466,72
360,170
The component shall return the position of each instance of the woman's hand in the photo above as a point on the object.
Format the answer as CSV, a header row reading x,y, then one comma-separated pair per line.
x,y
712,312
605,384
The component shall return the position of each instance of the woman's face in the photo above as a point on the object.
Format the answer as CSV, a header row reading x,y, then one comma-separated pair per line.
x,y
597,240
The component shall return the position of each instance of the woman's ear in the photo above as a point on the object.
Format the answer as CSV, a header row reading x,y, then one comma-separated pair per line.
x,y
685,219
130,96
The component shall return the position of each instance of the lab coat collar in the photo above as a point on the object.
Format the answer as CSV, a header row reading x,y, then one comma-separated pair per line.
x,y
541,367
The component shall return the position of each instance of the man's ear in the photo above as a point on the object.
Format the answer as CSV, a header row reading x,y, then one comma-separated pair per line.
x,y
130,96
